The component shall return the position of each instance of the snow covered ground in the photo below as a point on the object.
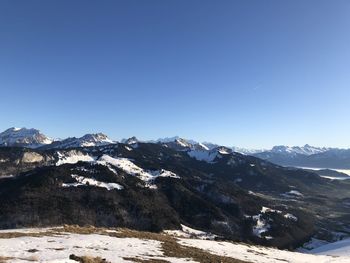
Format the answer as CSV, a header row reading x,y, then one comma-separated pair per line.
x,y
55,245
57,248
258,254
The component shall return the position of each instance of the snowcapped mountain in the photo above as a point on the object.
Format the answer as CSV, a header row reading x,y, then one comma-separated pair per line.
x,y
205,146
23,137
294,150
301,156
174,139
307,156
131,140
88,140
280,149
183,144
246,151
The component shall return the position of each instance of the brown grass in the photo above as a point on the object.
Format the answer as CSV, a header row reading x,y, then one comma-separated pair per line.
x,y
86,259
21,234
139,260
4,259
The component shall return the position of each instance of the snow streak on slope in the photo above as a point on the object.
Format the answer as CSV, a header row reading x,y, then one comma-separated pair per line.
x,y
85,181
72,157
130,168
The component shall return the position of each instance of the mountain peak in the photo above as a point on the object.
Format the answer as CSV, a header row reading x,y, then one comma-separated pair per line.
x,y
182,142
23,137
131,140
88,140
96,137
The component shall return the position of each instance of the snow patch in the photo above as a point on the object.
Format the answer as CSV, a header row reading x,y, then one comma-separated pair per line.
x,y
130,168
292,194
262,222
200,155
203,146
128,148
291,217
187,232
85,181
261,225
73,157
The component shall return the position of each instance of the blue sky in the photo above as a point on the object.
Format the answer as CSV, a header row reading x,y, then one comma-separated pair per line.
x,y
245,73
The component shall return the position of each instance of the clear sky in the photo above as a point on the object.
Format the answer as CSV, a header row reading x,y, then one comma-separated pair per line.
x,y
245,73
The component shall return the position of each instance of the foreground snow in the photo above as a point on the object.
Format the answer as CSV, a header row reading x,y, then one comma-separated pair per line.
x,y
57,248
39,245
259,254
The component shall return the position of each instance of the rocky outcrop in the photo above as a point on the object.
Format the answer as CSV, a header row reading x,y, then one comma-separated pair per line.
x,y
32,157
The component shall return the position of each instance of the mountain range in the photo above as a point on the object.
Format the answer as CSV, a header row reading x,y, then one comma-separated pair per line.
x,y
162,185
299,156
